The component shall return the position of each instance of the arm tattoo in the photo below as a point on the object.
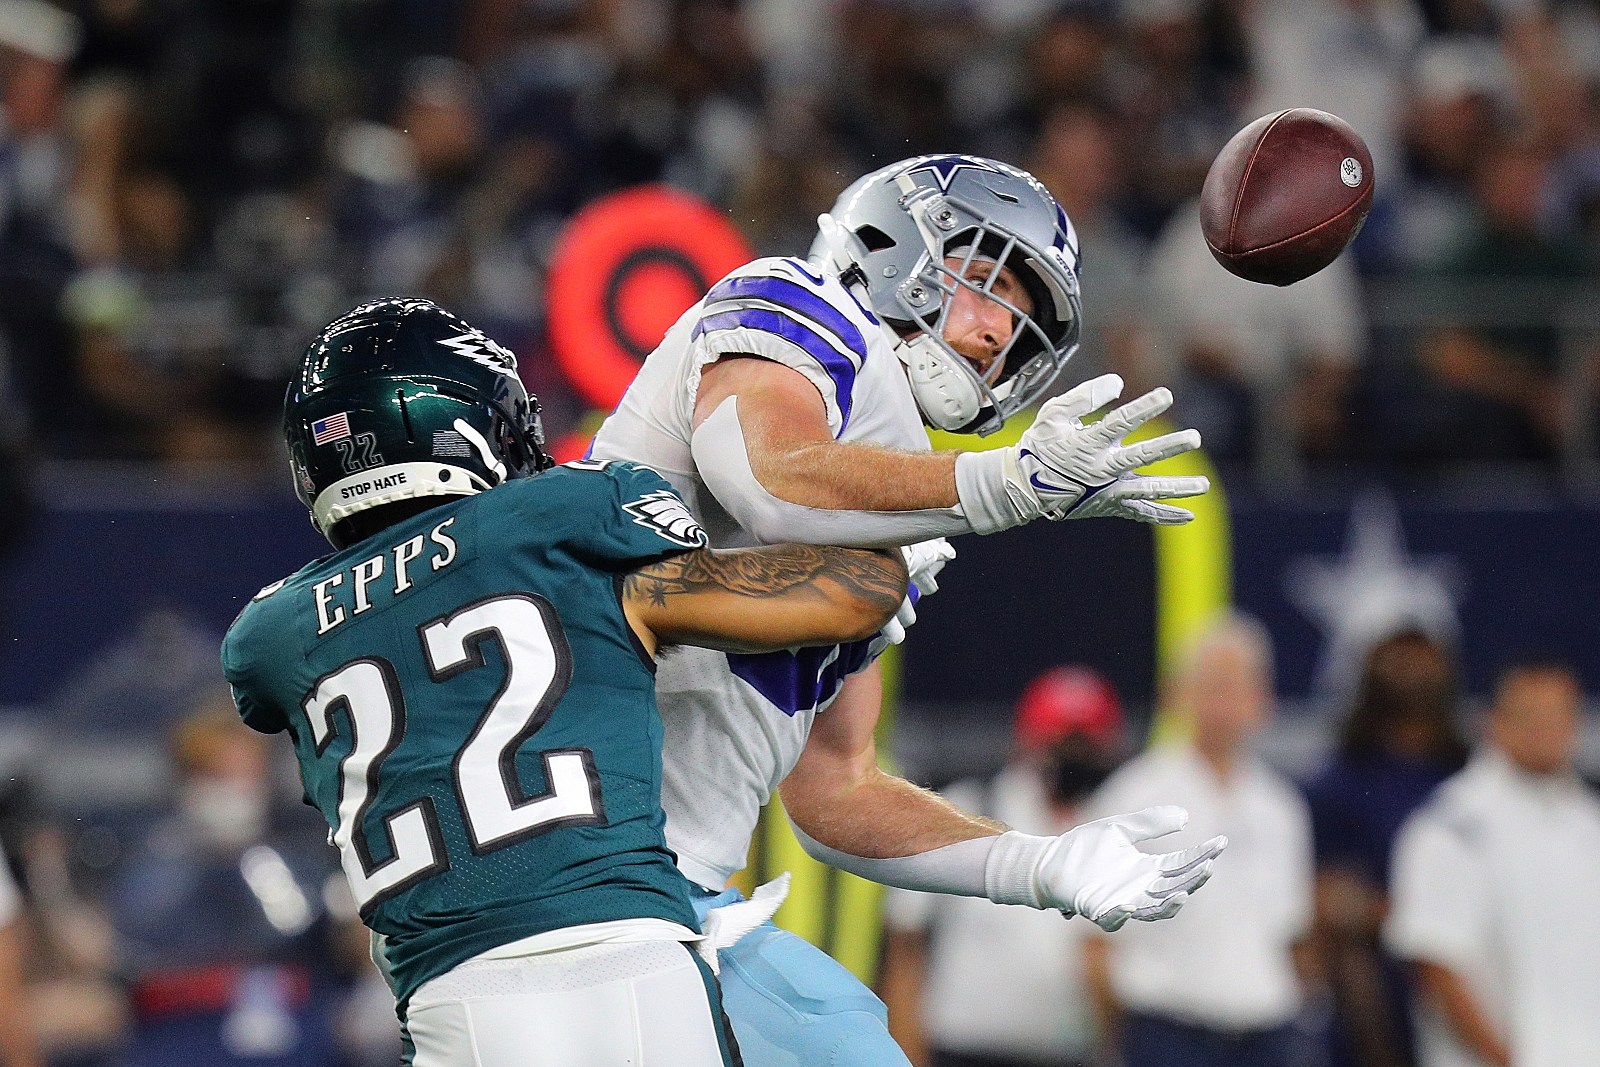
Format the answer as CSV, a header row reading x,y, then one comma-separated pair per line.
x,y
762,572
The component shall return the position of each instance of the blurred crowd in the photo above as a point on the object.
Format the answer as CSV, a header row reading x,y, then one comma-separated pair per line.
x,y
204,923
188,188
1383,910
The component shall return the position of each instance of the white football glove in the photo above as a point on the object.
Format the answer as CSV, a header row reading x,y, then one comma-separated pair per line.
x,y
1068,470
924,561
1095,871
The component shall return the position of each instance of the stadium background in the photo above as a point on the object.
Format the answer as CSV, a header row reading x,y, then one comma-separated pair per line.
x,y
188,189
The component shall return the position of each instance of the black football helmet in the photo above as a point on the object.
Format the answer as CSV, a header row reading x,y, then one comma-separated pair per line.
x,y
400,399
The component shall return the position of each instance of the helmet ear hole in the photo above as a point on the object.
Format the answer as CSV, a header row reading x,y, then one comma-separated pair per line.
x,y
874,239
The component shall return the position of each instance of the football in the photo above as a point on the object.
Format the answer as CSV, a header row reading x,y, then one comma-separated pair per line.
x,y
1286,195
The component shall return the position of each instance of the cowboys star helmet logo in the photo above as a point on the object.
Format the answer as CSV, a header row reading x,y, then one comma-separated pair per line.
x,y
945,168
664,513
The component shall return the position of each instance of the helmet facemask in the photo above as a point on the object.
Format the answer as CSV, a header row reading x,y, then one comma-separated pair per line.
x,y
950,391
891,232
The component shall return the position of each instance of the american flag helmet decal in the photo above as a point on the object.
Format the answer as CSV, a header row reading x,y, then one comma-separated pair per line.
x,y
332,428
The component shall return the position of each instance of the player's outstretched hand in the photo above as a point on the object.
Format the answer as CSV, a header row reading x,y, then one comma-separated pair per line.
x,y
924,561
1074,470
1096,870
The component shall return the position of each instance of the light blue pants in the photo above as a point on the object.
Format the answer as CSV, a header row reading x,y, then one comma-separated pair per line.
x,y
793,1005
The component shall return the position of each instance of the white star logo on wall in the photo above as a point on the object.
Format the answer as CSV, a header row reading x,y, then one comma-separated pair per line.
x,y
1371,590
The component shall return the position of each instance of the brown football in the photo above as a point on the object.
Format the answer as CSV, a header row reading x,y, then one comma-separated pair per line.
x,y
1286,195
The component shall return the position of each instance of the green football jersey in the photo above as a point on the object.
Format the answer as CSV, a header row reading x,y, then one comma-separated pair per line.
x,y
473,715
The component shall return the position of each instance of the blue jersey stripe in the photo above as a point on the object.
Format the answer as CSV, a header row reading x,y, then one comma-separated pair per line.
x,y
794,297
802,679
839,366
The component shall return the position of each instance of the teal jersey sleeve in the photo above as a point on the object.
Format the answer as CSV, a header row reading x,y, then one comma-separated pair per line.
x,y
257,710
614,516
259,716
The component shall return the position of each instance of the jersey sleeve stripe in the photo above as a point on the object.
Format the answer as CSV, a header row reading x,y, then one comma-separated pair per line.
x,y
838,366
796,299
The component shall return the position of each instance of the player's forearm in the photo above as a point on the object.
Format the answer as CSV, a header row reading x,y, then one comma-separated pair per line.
x,y
886,830
775,417
961,854
844,476
821,491
880,816
852,815
763,600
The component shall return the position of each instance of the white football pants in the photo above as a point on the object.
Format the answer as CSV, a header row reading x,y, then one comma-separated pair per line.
x,y
633,1004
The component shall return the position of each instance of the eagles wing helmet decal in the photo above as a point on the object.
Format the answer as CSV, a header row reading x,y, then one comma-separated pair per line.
x,y
481,350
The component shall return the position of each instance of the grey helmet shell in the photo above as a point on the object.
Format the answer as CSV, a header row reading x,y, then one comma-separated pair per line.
x,y
890,233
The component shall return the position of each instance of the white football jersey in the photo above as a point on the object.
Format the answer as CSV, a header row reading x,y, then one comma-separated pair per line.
x,y
735,724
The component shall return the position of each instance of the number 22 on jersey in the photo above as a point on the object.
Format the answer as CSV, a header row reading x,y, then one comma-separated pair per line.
x,y
494,806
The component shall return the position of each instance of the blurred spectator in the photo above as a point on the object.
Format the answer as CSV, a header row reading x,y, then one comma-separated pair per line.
x,y
1080,157
402,182
1222,986
1398,743
154,334
711,76
1505,973
1348,57
1573,194
78,1010
190,217
972,985
1263,372
363,1018
1457,94
898,70
796,176
16,1022
224,109
1462,16
1181,106
220,918
218,177
1498,367
797,41
37,42
1550,87
1071,58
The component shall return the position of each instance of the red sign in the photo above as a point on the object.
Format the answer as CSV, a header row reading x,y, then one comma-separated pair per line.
x,y
626,267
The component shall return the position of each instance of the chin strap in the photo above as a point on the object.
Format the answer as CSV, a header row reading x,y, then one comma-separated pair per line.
x,y
947,395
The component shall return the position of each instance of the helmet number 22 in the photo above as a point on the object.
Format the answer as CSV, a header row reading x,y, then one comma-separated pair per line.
x,y
359,453
495,808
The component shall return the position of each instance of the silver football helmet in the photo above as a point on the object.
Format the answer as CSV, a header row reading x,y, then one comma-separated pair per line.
x,y
891,232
